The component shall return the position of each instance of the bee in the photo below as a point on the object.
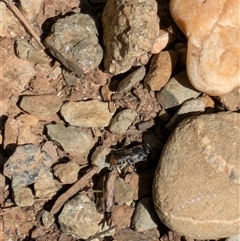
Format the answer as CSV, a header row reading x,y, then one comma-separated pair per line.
x,y
130,156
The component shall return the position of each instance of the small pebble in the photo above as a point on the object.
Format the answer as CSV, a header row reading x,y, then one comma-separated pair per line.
x,y
45,186
23,197
124,192
145,216
131,80
176,91
99,156
67,173
122,121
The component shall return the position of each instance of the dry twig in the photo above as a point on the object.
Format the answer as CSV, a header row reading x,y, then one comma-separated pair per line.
x,y
81,183
23,21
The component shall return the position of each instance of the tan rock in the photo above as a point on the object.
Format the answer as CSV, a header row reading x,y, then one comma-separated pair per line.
x,y
67,173
20,132
10,26
231,101
197,182
71,138
23,197
31,8
132,40
122,121
92,113
41,105
161,69
46,186
213,31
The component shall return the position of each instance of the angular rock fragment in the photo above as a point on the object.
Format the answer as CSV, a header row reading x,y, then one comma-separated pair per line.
x,y
46,186
67,173
24,50
131,80
230,101
122,121
130,43
145,217
197,182
99,156
30,9
176,91
213,29
124,192
26,165
187,109
71,138
121,216
23,197
92,113
41,105
79,217
73,41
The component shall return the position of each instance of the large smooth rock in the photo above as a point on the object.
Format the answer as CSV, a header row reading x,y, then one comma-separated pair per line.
x,y
196,188
213,31
130,29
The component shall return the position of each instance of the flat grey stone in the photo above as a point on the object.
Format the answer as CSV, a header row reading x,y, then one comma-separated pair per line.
x,y
145,216
131,80
187,109
71,138
176,91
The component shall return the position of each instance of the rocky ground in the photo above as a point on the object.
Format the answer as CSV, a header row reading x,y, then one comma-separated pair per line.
x,y
76,102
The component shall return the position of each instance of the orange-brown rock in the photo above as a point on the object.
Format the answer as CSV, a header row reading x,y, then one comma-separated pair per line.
x,y
213,31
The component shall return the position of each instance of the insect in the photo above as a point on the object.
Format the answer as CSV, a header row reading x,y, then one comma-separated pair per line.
x,y
130,156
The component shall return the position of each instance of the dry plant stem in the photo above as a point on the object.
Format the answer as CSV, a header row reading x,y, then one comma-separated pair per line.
x,y
8,211
81,183
101,233
23,21
109,191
